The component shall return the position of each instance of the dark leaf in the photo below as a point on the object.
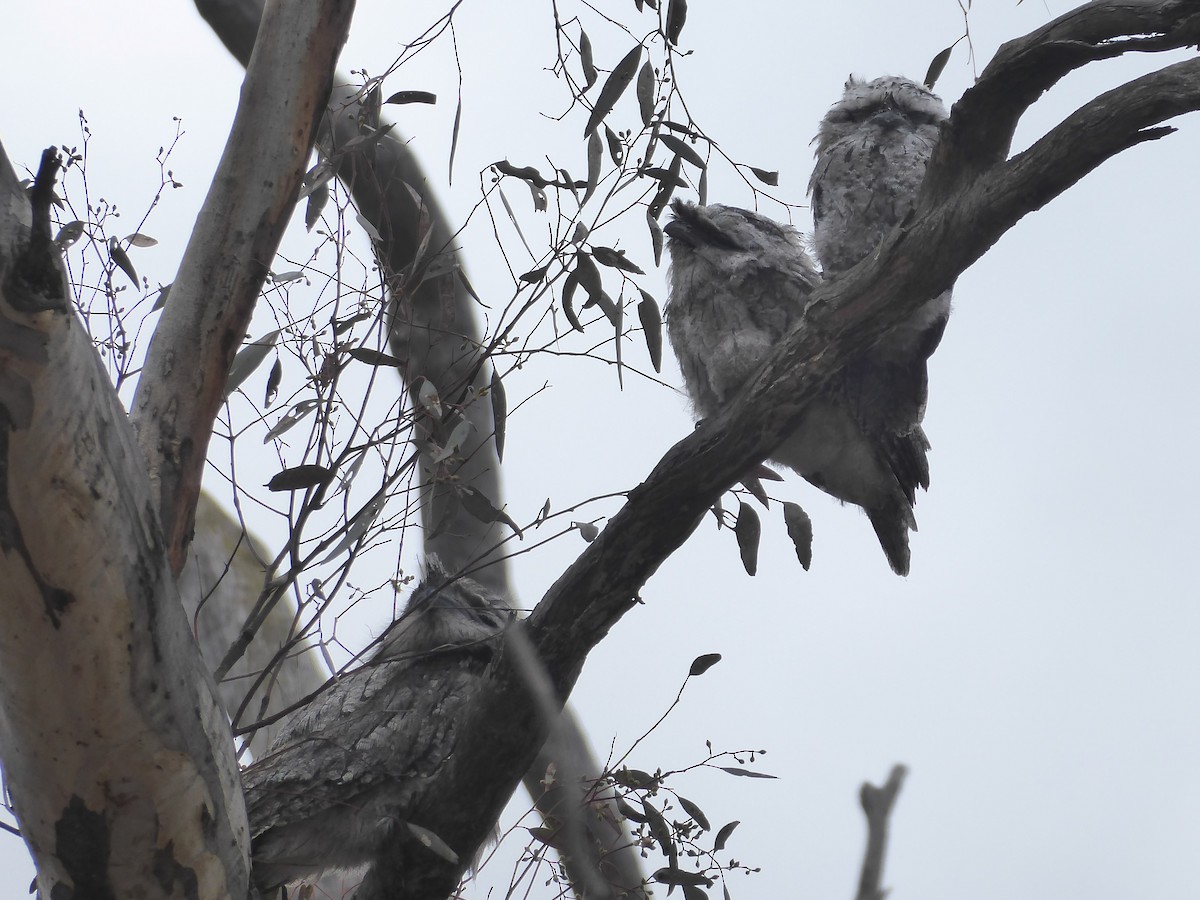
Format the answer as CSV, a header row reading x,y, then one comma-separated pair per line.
x,y
936,65
771,178
688,806
679,877
664,175
702,664
121,258
799,529
663,197
551,837
615,259
748,531
585,60
568,307
300,477
533,276
374,357
454,137
273,383
616,150
628,811
635,779
412,97
745,773
645,92
341,325
499,412
723,836
676,16
316,204
588,275
682,148
754,486
618,80
162,297
479,506
658,826
467,286
693,892
656,237
595,154
651,320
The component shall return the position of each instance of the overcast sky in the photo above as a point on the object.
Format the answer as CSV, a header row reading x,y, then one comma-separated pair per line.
x,y
1037,671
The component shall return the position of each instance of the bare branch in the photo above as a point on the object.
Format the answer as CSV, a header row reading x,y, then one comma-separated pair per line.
x,y
231,248
877,803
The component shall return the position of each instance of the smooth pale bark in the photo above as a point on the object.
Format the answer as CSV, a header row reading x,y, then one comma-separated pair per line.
x,y
115,749
230,251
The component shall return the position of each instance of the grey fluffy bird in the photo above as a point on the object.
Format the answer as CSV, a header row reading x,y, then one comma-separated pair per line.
x,y
740,282
345,771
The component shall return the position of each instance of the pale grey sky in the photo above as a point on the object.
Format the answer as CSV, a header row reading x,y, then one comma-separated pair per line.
x,y
1037,671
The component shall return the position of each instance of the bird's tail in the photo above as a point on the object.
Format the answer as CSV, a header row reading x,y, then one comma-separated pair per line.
x,y
892,523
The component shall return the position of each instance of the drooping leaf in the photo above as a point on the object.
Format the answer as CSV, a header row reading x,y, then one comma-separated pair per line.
x,y
625,809
799,529
585,60
688,806
702,664
478,505
769,178
568,307
459,436
317,201
663,197
651,319
656,237
121,259
371,230
163,291
499,412
299,478
663,175
676,16
273,383
616,150
588,275
614,86
748,531
936,65
140,240
589,531
248,359
595,153
615,259
454,137
645,92
722,837
658,826
411,97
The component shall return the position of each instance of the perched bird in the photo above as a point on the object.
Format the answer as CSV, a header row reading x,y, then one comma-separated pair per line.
x,y
872,150
739,282
345,770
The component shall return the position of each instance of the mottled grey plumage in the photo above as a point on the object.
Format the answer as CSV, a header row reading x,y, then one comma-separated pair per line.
x,y
872,150
345,770
739,283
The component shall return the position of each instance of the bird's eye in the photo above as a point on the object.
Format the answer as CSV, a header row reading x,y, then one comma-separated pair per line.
x,y
717,237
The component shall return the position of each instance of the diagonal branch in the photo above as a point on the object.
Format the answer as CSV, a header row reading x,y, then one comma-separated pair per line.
x,y
227,258
952,229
